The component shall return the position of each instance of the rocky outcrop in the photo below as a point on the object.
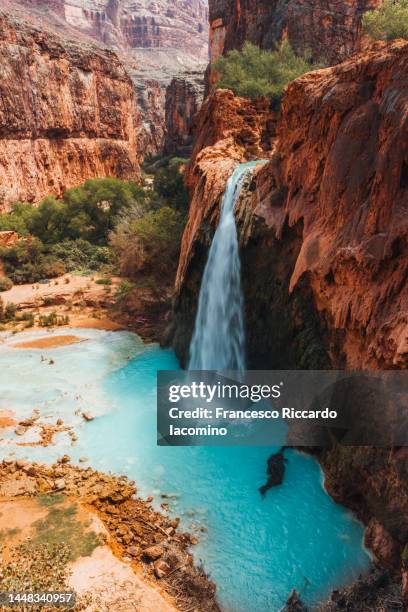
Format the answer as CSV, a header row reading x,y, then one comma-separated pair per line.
x,y
323,233
228,130
67,113
331,29
184,96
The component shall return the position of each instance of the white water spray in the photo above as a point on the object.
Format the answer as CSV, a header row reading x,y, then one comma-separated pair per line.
x,y
219,340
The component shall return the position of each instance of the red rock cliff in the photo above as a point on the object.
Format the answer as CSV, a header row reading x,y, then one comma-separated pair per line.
x,y
324,250
184,96
67,113
330,28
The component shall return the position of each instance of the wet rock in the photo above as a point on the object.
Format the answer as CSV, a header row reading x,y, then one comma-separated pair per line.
x,y
20,431
294,603
153,552
64,459
87,416
275,471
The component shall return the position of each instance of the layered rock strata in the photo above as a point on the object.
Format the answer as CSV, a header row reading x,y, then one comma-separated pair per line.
x,y
67,113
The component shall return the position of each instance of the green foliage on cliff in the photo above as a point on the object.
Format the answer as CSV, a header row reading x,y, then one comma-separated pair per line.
x,y
255,73
388,22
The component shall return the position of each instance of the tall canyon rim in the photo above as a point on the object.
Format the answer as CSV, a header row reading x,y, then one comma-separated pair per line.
x,y
323,225
86,84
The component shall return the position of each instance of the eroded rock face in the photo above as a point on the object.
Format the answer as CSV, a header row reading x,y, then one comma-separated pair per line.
x,y
184,96
323,231
334,193
127,24
67,113
330,29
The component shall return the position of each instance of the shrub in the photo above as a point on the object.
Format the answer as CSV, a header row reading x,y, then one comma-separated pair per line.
x,y
52,319
79,254
150,243
103,281
87,212
8,312
169,184
5,283
123,290
254,73
387,22
26,262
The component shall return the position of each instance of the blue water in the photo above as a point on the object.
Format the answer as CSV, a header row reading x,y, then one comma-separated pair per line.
x,y
255,549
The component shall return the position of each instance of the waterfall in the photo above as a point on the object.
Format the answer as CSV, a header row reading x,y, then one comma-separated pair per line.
x,y
219,339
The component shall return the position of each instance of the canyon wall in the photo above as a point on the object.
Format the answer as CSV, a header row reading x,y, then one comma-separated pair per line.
x,y
184,96
156,41
331,29
131,24
323,232
67,113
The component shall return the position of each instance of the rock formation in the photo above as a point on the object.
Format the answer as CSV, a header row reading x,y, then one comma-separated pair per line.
x,y
67,113
184,96
330,29
143,29
323,232
155,41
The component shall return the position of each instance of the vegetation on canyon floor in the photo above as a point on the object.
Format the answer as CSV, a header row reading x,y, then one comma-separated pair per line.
x,y
254,72
388,22
105,224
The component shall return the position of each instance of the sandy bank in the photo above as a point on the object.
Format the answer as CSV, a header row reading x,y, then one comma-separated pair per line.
x,y
48,342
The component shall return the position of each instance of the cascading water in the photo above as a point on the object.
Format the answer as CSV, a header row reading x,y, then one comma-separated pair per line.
x,y
219,340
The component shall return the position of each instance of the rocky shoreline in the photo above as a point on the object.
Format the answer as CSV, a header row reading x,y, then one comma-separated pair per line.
x,y
146,539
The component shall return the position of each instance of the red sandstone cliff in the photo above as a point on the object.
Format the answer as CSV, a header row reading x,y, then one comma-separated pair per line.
x,y
175,25
331,29
323,230
338,172
184,96
67,113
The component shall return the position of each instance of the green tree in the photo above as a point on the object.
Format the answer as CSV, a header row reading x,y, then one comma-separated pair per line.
x,y
388,22
254,73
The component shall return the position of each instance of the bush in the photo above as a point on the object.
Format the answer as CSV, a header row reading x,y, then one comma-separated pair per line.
x,y
87,212
169,184
255,73
123,290
8,312
26,262
149,243
5,283
79,254
388,22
